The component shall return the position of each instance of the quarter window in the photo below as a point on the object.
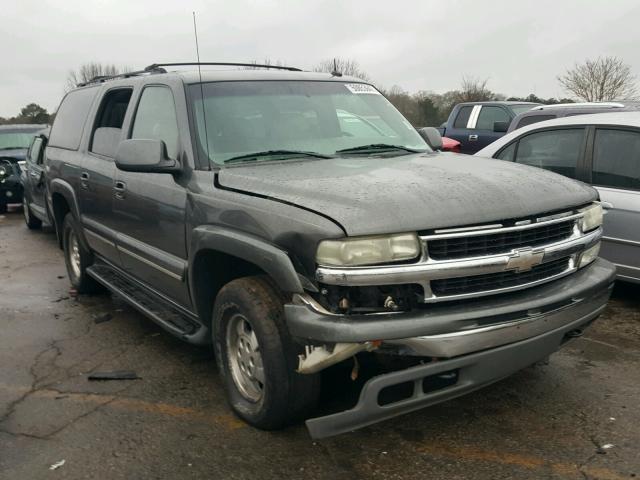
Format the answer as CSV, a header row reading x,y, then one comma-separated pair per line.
x,y
68,126
156,118
507,153
616,159
555,150
489,115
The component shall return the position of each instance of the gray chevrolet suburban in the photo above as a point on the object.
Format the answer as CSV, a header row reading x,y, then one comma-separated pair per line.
x,y
296,220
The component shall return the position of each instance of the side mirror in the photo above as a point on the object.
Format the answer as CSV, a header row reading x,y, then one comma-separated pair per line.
x,y
432,137
501,127
145,155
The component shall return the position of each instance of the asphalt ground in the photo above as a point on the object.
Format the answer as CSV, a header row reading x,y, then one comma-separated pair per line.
x,y
577,417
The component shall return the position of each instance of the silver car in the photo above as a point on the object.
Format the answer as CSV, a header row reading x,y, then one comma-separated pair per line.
x,y
602,150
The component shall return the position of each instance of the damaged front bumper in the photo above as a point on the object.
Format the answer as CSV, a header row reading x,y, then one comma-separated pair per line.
x,y
477,343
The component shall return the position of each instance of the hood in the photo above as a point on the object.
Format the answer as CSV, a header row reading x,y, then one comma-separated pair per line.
x,y
374,195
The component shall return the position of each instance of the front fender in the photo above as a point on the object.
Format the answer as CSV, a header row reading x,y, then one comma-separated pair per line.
x,y
59,186
273,260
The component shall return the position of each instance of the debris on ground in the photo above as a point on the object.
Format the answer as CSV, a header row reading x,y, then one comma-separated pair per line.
x,y
57,465
102,317
73,292
115,375
602,450
60,299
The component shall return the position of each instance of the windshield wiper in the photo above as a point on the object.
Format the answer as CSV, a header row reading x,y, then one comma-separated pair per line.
x,y
272,153
377,147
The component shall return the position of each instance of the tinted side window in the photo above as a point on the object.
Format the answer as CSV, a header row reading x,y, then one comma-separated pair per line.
x,y
531,119
507,153
107,130
34,152
555,150
463,117
156,118
616,159
489,115
71,117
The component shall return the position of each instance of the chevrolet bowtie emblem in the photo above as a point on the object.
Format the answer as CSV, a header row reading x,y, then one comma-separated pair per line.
x,y
524,259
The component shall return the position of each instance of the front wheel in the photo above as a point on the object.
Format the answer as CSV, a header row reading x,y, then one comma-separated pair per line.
x,y
77,258
257,357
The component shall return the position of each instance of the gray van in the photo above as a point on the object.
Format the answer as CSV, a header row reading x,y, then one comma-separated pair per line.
x,y
601,149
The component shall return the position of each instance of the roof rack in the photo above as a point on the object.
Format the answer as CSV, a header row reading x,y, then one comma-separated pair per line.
x,y
580,105
158,68
155,66
104,78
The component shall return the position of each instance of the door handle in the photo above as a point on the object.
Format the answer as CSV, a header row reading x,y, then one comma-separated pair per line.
x,y
473,138
84,180
120,187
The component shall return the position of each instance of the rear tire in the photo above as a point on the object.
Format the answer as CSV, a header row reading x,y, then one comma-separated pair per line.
x,y
3,208
257,358
33,223
77,258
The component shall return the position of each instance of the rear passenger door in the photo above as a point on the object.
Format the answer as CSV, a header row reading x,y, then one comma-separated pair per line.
x,y
483,127
98,173
149,208
615,172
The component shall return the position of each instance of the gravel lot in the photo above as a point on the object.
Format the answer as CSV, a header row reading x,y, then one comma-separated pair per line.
x,y
548,421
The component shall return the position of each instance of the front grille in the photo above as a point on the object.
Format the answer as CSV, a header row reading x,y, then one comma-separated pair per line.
x,y
495,281
494,243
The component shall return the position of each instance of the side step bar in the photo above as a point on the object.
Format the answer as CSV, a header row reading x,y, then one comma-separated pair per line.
x,y
150,304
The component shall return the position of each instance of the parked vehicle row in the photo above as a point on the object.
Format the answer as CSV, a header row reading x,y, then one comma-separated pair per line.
x,y
477,124
602,150
294,220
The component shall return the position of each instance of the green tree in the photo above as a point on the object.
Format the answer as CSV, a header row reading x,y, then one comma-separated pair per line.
x,y
34,113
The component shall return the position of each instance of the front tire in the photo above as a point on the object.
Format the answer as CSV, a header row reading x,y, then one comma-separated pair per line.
x,y
257,358
77,258
33,223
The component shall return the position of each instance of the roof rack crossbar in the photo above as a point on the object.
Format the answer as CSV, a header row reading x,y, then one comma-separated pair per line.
x,y
155,66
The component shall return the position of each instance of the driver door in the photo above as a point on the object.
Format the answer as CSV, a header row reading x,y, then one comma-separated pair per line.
x,y
35,181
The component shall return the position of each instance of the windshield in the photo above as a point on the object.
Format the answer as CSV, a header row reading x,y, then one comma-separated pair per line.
x,y
518,109
243,118
10,140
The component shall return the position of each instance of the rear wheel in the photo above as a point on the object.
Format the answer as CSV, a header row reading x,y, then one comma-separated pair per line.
x,y
32,222
77,258
3,208
257,357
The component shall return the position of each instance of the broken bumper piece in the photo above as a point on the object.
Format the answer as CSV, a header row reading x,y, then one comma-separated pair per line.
x,y
443,380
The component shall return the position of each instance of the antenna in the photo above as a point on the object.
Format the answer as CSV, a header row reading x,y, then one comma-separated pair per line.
x,y
204,112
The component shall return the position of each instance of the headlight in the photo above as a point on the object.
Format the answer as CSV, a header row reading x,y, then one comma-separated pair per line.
x,y
589,255
368,250
3,171
592,217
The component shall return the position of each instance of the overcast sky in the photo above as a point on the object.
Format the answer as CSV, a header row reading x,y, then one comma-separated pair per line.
x,y
419,44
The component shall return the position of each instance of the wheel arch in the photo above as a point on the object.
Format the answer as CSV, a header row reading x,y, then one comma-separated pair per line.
x,y
220,255
63,201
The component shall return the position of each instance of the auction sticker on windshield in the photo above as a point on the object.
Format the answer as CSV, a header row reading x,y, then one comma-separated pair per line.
x,y
361,88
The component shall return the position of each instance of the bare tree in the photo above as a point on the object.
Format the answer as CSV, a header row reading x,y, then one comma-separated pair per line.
x,y
344,66
475,89
603,79
266,61
89,71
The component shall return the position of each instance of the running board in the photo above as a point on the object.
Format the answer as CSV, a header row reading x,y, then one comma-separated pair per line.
x,y
149,303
